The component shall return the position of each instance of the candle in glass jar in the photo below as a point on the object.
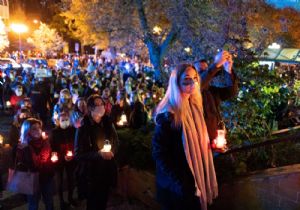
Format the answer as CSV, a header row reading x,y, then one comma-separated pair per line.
x,y
123,118
8,104
44,135
106,147
54,157
69,153
220,141
120,123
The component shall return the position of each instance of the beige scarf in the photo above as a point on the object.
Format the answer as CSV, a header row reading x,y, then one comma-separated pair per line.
x,y
199,155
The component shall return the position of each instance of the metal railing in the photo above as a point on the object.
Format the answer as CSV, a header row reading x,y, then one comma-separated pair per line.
x,y
289,138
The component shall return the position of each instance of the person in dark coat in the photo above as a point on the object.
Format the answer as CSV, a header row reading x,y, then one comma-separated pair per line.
x,y
185,174
15,129
138,116
63,143
17,98
40,99
218,83
120,107
97,171
34,154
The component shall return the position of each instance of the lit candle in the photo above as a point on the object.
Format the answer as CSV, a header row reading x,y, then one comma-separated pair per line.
x,y
8,104
124,118
54,157
220,141
106,147
1,140
44,136
56,95
154,95
69,153
120,123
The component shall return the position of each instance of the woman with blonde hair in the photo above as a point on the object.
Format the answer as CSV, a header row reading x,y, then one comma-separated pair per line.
x,y
185,173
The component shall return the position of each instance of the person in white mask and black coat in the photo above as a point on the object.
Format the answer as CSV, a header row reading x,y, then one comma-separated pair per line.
x,y
63,143
97,170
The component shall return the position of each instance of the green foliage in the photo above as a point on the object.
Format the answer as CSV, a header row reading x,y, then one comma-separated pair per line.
x,y
249,117
135,147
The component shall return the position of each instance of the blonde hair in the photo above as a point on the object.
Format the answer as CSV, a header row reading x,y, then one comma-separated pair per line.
x,y
173,100
25,128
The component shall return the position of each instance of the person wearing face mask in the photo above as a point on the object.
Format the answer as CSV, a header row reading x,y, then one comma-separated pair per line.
x,y
39,98
14,131
64,103
108,103
33,154
27,104
17,98
219,83
62,142
185,174
96,173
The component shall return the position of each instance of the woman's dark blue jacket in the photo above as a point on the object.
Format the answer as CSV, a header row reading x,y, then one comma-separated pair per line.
x,y
173,174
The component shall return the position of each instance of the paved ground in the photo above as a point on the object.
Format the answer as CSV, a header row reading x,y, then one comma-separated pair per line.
x,y
11,201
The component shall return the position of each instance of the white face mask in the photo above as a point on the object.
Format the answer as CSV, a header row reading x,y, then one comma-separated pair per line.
x,y
64,124
19,92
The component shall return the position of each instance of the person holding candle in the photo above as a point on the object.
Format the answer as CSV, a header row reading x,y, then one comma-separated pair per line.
x,y
138,117
219,83
17,97
120,108
62,142
15,129
33,154
97,170
185,173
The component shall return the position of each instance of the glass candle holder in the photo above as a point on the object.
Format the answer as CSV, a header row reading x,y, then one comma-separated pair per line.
x,y
54,157
69,153
106,146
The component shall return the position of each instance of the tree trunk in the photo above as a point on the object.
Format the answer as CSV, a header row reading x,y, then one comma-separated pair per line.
x,y
155,58
156,51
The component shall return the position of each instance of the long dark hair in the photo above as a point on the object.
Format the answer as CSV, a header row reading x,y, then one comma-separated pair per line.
x,y
26,126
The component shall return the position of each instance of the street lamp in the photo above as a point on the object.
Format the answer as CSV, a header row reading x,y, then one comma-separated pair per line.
x,y
19,28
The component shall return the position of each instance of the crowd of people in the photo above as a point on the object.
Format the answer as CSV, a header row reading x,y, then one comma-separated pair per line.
x,y
88,98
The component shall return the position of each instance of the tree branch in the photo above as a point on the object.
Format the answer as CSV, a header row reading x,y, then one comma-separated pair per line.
x,y
169,39
144,23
